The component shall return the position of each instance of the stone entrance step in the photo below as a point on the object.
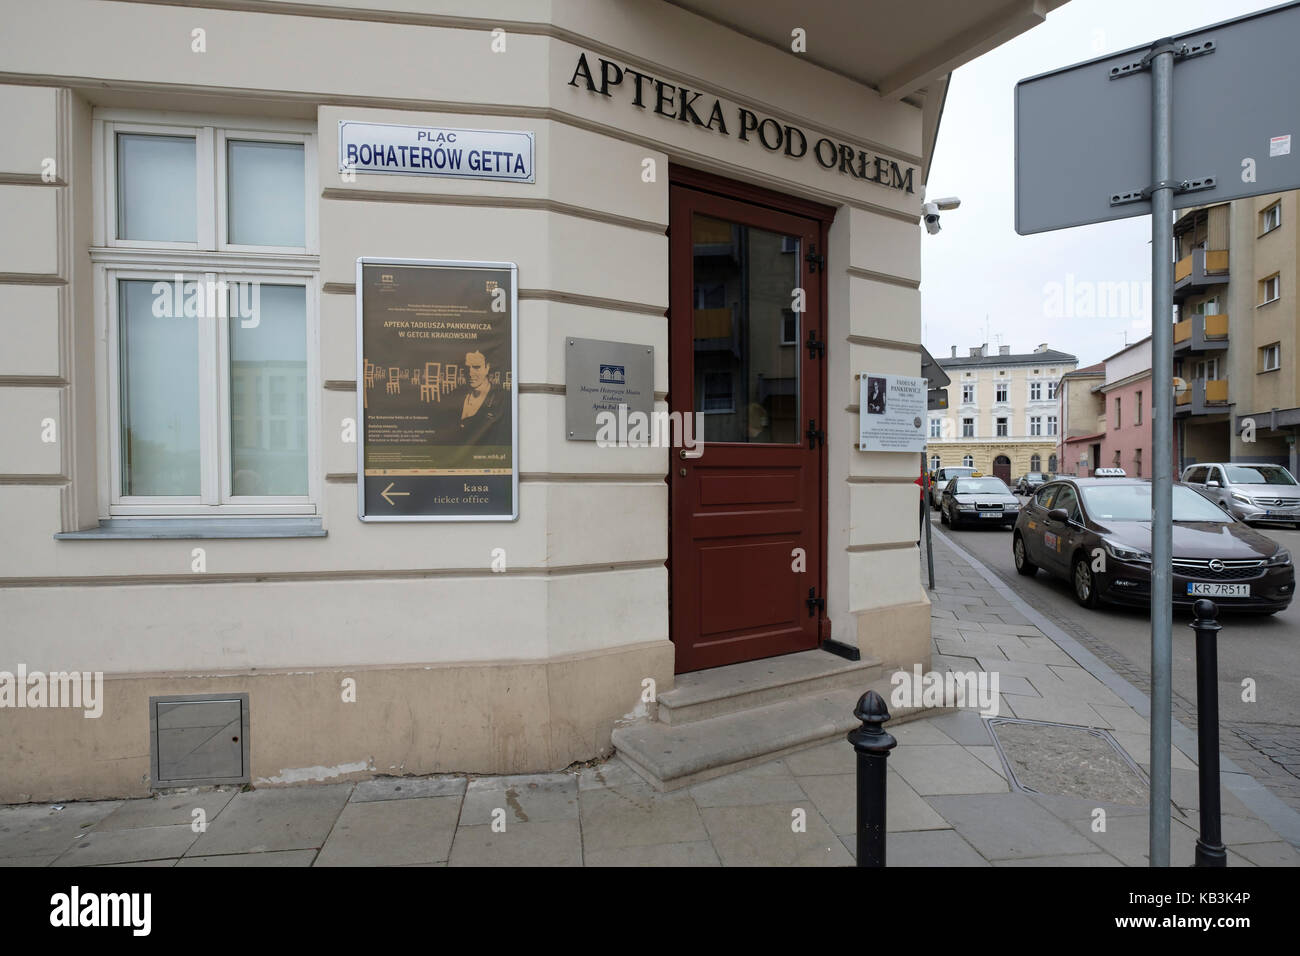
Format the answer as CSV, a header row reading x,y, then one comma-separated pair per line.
x,y
739,687
750,716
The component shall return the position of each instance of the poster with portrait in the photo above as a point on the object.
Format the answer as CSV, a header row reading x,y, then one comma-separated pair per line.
x,y
437,392
892,412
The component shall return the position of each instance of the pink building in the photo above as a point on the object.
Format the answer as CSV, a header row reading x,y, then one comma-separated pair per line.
x,y
1126,392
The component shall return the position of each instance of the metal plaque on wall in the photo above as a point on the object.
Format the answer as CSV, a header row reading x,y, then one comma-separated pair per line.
x,y
601,376
437,395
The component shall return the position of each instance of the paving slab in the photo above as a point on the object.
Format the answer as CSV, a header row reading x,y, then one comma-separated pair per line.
x,y
964,727
97,847
611,773
546,843
408,788
274,858
945,770
1269,854
278,818
765,836
919,733
618,818
36,829
698,853
767,783
925,848
392,832
1076,859
168,810
837,756
1126,838
1009,826
532,798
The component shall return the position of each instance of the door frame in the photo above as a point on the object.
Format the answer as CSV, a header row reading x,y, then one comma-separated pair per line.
x,y
683,177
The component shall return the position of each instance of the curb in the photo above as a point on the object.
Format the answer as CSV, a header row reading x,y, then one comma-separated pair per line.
x,y
1284,821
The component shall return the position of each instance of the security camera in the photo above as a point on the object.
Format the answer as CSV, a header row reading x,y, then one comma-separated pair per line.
x,y
930,212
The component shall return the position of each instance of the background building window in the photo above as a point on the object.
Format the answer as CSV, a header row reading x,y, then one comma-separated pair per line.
x,y
1001,391
1002,428
1035,463
1119,421
1051,391
1051,464
1035,391
1270,218
934,462
968,394
1035,425
1138,407
1051,424
1270,289
1270,357
968,428
936,427
968,461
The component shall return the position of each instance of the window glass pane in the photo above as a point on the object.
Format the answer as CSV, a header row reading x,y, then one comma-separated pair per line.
x,y
746,359
268,389
159,392
156,188
265,193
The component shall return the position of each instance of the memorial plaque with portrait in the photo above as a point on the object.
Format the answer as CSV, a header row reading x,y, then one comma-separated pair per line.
x,y
437,394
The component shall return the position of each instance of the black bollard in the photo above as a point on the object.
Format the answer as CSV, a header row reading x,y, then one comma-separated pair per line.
x,y
873,745
1209,846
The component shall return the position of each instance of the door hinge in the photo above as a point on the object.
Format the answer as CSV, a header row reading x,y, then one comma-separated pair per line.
x,y
816,347
814,260
814,434
814,602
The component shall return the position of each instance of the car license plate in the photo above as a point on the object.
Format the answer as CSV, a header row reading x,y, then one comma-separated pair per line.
x,y
1218,590
1282,513
990,514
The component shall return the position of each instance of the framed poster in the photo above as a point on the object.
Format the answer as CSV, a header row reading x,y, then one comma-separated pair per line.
x,y
437,392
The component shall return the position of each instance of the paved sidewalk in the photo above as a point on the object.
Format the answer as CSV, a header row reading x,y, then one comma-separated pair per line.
x,y
950,802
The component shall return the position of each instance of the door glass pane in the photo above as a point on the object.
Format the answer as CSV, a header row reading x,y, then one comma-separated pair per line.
x,y
265,193
268,390
159,393
156,182
747,333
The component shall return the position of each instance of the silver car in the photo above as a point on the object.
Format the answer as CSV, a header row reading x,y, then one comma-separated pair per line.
x,y
1255,493
985,501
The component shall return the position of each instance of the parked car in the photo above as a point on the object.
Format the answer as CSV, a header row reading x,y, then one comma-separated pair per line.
x,y
1030,483
942,476
979,501
1096,533
1255,493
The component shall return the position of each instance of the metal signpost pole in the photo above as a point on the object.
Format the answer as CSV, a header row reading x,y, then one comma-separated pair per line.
x,y
1162,422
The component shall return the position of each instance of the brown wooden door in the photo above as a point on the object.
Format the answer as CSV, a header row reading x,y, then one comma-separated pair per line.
x,y
1002,468
747,517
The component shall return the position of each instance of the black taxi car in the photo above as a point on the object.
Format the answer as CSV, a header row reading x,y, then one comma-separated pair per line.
x,y
1096,533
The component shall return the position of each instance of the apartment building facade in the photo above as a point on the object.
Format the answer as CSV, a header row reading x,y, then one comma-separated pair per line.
x,y
1003,417
1235,339
1125,394
1083,420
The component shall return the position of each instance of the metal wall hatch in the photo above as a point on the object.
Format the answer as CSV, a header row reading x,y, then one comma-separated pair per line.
x,y
1043,757
198,739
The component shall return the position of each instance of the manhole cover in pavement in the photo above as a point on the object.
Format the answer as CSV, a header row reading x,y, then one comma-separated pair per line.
x,y
1065,760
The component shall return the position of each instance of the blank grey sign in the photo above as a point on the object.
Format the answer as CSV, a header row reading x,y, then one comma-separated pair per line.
x,y
1082,137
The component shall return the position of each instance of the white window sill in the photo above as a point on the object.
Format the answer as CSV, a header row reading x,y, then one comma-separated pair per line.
x,y
136,528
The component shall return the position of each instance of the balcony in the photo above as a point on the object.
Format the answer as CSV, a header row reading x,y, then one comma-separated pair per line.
x,y
1201,333
1203,397
1203,268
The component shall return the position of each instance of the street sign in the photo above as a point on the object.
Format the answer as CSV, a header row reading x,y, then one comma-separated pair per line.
x,y
1083,133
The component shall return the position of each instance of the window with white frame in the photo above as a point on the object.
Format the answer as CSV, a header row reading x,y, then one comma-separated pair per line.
x,y
1001,392
1270,289
1035,463
1270,218
206,257
934,462
968,394
936,428
1270,357
968,461
968,428
1051,391
1051,424
1035,391
1035,425
1002,428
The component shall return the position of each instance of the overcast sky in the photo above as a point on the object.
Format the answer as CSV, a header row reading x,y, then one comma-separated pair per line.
x,y
977,266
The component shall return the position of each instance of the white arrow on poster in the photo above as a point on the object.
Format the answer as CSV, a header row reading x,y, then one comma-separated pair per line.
x,y
892,412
